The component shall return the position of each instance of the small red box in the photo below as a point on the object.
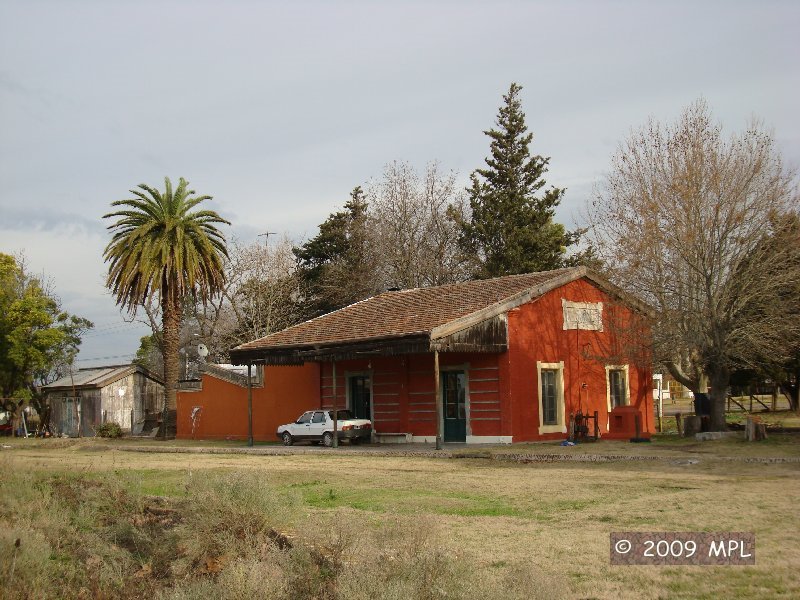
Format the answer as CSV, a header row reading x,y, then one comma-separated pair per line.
x,y
622,423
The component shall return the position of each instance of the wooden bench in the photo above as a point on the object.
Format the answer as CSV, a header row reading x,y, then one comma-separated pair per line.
x,y
393,438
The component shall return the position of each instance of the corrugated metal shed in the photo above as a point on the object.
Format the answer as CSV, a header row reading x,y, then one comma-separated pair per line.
x,y
97,377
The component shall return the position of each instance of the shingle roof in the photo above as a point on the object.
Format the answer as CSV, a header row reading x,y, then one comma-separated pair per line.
x,y
406,312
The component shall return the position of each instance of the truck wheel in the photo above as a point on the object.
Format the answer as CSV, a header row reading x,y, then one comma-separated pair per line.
x,y
327,439
287,438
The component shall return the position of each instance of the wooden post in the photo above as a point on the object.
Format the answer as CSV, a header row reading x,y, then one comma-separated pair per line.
x,y
692,425
754,429
439,402
335,411
249,404
679,424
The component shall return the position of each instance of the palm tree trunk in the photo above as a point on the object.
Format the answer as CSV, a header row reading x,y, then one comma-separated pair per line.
x,y
171,323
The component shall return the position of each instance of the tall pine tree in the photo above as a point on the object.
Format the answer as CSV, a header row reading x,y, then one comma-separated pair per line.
x,y
337,266
511,228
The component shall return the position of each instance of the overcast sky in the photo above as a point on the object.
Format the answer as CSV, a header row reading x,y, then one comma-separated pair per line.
x,y
278,109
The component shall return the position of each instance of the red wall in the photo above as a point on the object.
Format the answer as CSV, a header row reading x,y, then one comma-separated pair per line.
x,y
403,390
536,334
286,394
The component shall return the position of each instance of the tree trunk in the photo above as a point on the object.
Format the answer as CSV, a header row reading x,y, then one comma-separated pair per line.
x,y
792,390
171,321
719,379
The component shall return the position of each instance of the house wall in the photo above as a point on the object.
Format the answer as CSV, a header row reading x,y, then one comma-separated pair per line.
x,y
536,334
63,416
141,396
286,393
117,402
403,399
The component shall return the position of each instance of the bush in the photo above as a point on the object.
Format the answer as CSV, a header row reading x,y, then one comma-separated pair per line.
x,y
109,430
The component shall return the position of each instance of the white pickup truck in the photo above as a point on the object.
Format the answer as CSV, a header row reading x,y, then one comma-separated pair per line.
x,y
317,426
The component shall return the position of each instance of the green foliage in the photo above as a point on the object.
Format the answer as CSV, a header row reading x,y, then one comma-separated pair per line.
x,y
511,228
37,339
335,265
149,355
162,248
159,246
109,430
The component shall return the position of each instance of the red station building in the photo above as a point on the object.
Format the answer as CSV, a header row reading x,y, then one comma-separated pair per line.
x,y
513,359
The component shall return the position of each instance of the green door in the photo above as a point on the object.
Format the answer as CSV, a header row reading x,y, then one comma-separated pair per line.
x,y
454,396
360,397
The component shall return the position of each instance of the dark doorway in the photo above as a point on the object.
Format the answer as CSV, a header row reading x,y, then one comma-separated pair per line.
x,y
360,396
454,397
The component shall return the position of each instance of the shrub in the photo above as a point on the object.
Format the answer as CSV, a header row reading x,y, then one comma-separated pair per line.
x,y
109,430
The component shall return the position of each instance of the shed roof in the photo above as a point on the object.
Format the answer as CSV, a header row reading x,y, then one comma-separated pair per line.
x,y
421,314
97,377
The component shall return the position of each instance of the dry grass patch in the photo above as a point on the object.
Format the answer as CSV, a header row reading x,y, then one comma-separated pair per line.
x,y
407,527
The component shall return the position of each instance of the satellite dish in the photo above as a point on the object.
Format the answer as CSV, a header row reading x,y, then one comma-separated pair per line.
x,y
202,350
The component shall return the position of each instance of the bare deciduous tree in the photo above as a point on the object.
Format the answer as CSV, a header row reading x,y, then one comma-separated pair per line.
x,y
259,297
695,224
417,240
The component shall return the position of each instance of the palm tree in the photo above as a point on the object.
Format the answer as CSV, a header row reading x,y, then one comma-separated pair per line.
x,y
159,247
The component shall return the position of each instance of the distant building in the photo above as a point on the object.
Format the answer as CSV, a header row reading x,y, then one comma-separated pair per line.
x,y
128,395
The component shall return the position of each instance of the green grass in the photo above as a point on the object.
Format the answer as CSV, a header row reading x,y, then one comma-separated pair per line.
x,y
322,495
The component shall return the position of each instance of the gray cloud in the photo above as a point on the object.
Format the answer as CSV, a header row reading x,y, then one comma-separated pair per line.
x,y
279,109
47,219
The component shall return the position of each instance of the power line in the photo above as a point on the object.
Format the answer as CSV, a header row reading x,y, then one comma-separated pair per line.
x,y
108,331
127,356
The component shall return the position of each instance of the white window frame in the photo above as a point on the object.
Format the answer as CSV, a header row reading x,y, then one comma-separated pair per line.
x,y
626,370
582,315
560,426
